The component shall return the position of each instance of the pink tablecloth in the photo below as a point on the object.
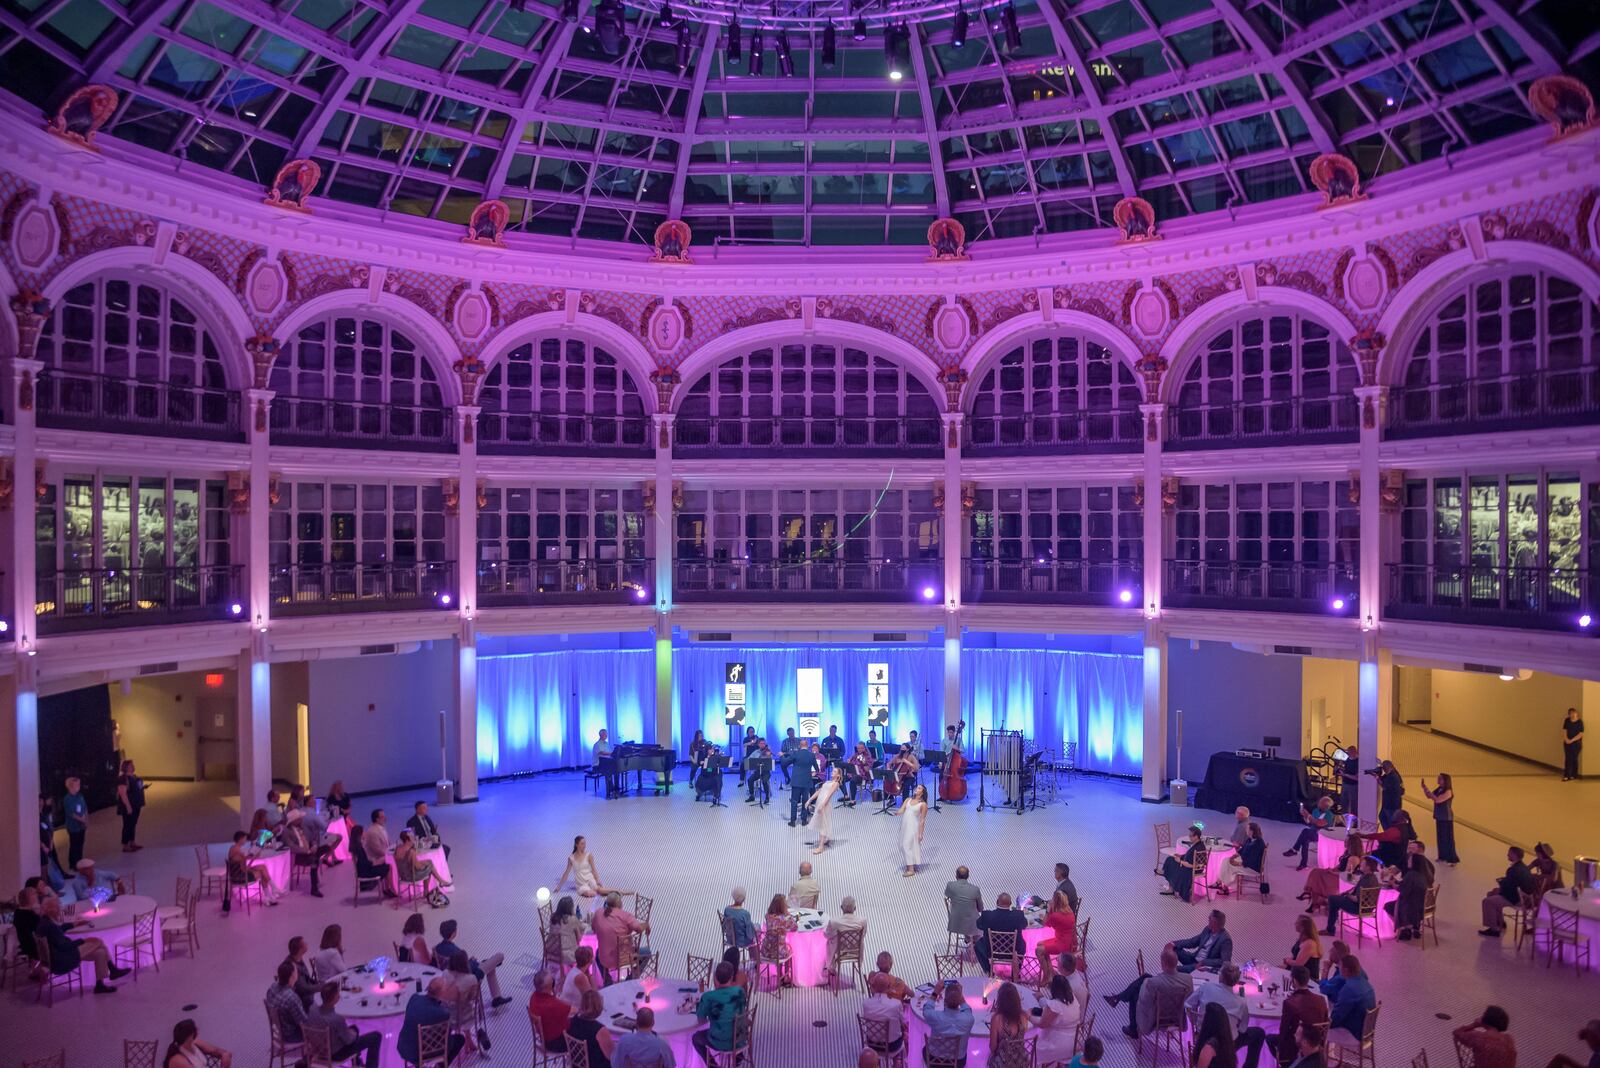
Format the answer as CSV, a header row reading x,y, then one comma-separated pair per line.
x,y
112,923
808,946
1330,848
276,864
340,829
1385,897
974,988
1216,860
436,856
668,999
385,1008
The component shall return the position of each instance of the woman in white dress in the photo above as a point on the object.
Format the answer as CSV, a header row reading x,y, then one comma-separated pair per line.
x,y
913,819
822,809
580,979
1058,1024
585,876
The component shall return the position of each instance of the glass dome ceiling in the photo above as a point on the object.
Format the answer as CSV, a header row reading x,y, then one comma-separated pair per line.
x,y
1047,114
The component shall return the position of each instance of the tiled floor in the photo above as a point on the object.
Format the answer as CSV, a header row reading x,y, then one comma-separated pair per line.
x,y
687,856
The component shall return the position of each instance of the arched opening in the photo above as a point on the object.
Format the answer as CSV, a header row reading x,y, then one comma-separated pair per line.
x,y
1063,390
1511,345
124,352
1269,376
814,395
561,393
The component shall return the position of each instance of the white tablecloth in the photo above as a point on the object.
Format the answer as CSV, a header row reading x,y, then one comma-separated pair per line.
x,y
112,923
668,999
1264,1002
1587,904
436,856
1330,848
276,863
374,1007
979,992
1216,861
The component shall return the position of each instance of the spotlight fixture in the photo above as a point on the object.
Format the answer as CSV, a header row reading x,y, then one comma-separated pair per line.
x,y
444,599
1125,596
640,594
681,49
1584,621
929,593
667,18
611,23
569,11
895,50
858,31
735,51
1507,678
958,31
1008,19
830,47
785,57
1338,604
236,608
756,50
4,627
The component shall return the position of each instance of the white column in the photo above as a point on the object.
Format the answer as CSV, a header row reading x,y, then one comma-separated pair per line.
x,y
19,761
465,771
1153,785
1375,698
664,546
1370,481
254,727
257,536
253,715
19,614
952,537
1153,778
1155,421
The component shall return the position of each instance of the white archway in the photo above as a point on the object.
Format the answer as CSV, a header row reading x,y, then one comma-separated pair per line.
x,y
433,340
629,351
1014,331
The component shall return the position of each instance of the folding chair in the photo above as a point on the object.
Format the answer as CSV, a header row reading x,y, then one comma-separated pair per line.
x,y
1361,1050
140,1053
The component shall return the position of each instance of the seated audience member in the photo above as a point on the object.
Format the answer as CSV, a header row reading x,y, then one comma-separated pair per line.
x,y
1179,870
424,1010
1518,880
1350,998
1222,993
89,878
284,1005
580,978
242,871
1251,856
1320,817
963,904
338,799
1150,996
722,1007
1059,1015
1546,869
1589,1036
587,1028
1007,1021
843,920
1415,879
1210,949
25,920
950,1018
1487,1038
375,840
69,954
776,927
305,980
1308,1049
409,867
614,925
485,970
886,1011
264,823
1323,883
1214,1043
642,1047
187,1050
549,1012
309,852
1390,843
1093,1049
348,1043
421,824
366,867
567,927
463,988
1351,902
868,1058
413,945
329,958
1077,977
1000,918
1064,884
737,922
1338,950
1063,934
1241,827
806,890
1307,948
1301,1005
893,984
733,957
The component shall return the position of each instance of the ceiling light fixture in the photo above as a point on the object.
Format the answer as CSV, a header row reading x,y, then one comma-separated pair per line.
x,y
668,20
1008,18
756,49
681,51
830,47
569,10
858,31
785,57
958,32
735,51
611,23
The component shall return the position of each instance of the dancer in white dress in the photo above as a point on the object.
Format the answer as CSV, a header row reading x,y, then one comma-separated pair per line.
x,y
821,804
913,818
585,876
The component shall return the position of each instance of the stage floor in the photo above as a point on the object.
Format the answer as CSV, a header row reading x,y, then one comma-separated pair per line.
x,y
687,856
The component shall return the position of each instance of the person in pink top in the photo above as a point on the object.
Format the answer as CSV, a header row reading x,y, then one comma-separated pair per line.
x,y
612,926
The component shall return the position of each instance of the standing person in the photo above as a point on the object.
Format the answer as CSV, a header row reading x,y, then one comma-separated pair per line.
x,y
1444,816
130,802
1391,792
47,835
913,821
75,808
822,809
1571,745
963,904
800,770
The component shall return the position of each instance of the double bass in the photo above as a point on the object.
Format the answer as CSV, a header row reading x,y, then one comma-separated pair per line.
x,y
953,784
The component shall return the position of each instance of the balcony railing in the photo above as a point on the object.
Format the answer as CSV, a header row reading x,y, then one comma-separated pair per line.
x,y
136,596
1262,585
82,400
361,424
1276,422
1084,582
844,434
525,582
1066,432
829,579
513,433
311,589
1492,595
1546,398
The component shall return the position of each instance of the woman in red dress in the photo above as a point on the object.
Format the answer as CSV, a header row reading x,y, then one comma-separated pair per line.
x,y
1063,937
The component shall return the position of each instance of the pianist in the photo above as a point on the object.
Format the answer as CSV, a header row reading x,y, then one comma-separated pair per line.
x,y
602,748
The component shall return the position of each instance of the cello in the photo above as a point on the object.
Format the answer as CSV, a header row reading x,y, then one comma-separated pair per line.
x,y
953,784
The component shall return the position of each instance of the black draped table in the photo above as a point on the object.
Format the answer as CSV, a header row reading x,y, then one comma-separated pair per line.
x,y
1271,789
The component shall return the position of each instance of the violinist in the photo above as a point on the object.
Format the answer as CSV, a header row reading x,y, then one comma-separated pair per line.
x,y
860,772
906,766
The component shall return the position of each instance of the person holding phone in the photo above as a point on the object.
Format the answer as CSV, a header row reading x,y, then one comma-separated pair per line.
x,y
1318,818
1444,817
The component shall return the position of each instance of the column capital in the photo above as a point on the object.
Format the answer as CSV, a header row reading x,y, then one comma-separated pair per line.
x,y
467,424
662,421
259,402
1154,417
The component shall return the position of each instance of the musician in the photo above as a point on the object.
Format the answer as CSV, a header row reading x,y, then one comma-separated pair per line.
x,y
906,766
915,742
832,746
874,746
859,772
602,748
708,778
801,768
950,744
789,744
747,746
698,748
757,777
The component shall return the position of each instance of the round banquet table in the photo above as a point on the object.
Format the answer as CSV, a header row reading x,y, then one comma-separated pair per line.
x,y
974,988
668,998
1037,930
370,1006
1264,1003
809,944
435,855
275,862
1386,895
1586,904
1216,861
1330,847
112,923
340,830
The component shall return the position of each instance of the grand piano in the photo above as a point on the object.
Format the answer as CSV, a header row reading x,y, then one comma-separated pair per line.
x,y
638,759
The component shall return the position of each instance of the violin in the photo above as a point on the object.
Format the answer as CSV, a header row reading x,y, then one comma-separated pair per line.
x,y
953,784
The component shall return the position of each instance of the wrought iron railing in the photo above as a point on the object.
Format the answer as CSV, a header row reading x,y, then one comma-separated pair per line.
x,y
83,400
309,589
1061,432
1492,595
1540,398
1263,585
1085,582
361,424
863,434
1282,421
509,433
827,578
526,582
81,599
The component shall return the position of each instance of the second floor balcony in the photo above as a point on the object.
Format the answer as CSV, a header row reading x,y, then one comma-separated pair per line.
x,y
1283,421
1058,432
316,589
82,400
514,433
89,598
1262,585
361,424
823,579
842,435
508,583
1494,595
1111,583
1509,402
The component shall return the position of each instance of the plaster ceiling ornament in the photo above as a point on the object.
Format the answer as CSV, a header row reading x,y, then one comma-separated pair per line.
x,y
1564,102
670,243
34,231
1336,176
665,379
1391,492
450,489
487,224
665,329
1150,312
947,241
293,185
1136,219
951,328
82,114
266,287
1150,369
470,370
472,315
238,493
647,495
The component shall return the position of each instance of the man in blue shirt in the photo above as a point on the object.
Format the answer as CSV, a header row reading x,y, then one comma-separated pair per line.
x,y
1350,997
738,918
90,878
75,807
952,1018
643,1048
421,1011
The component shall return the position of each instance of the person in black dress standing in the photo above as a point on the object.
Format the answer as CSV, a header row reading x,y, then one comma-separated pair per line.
x,y
1443,796
1571,745
130,801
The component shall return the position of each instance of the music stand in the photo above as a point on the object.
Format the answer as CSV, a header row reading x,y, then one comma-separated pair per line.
x,y
715,763
759,770
887,775
935,759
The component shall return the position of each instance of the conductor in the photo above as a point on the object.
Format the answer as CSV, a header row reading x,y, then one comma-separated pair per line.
x,y
801,765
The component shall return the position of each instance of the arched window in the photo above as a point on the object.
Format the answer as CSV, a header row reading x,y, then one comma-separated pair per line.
x,y
347,375
560,392
1064,389
122,351
1516,344
818,395
1271,376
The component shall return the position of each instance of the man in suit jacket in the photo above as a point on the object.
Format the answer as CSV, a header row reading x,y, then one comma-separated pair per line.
x,y
1518,880
1152,998
1210,949
1000,918
421,1011
1308,1047
965,902
1064,884
800,766
422,825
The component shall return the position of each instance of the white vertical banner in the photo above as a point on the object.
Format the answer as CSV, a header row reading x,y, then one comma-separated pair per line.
x,y
808,700
878,695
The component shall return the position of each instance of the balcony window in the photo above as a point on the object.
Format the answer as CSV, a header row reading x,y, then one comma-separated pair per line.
x,y
559,393
1066,391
